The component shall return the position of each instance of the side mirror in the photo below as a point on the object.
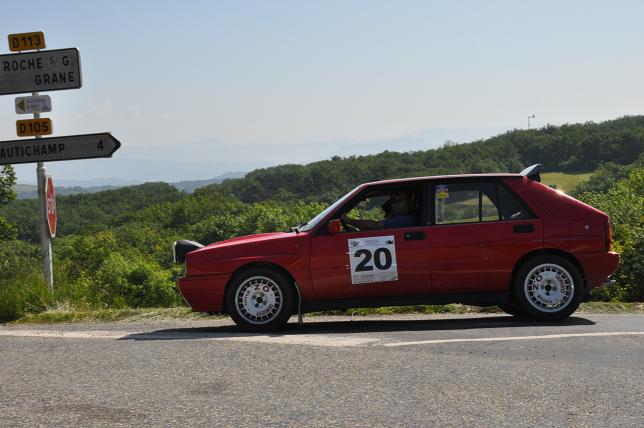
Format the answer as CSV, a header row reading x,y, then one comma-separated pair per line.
x,y
334,227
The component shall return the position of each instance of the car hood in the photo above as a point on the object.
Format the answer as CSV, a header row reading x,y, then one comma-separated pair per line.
x,y
226,256
251,239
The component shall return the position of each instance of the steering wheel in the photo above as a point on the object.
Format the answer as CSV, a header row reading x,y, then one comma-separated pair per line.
x,y
348,227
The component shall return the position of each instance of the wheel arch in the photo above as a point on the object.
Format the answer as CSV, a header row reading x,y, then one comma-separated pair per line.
x,y
267,265
547,251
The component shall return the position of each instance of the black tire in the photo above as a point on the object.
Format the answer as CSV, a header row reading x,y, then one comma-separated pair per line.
x,y
512,309
548,288
260,299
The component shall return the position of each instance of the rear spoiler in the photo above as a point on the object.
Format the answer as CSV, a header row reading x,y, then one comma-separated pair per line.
x,y
533,172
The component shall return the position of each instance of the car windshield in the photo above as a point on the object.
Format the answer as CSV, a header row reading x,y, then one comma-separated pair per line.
x,y
315,220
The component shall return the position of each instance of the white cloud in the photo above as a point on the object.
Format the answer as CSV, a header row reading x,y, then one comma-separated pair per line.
x,y
101,110
132,112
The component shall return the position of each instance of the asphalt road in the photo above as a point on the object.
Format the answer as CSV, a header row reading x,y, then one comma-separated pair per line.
x,y
483,370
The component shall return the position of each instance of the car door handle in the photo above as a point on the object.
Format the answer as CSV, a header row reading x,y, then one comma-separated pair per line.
x,y
414,236
523,228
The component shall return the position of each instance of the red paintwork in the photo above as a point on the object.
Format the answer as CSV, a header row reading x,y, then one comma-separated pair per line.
x,y
458,258
204,293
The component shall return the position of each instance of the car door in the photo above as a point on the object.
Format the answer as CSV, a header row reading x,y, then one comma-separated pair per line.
x,y
368,264
504,241
454,237
387,262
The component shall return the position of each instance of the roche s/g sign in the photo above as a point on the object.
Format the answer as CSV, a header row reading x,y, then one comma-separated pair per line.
x,y
42,71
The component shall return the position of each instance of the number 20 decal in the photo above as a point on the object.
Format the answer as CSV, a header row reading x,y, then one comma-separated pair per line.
x,y
372,259
377,256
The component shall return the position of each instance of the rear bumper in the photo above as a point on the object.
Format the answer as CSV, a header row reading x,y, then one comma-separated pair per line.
x,y
204,293
608,283
598,267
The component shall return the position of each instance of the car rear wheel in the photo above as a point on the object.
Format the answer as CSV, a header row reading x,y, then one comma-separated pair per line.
x,y
548,288
260,299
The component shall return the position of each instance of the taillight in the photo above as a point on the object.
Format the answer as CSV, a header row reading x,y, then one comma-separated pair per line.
x,y
608,233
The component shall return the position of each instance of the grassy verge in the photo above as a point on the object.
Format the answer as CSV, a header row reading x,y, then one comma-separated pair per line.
x,y
181,313
112,315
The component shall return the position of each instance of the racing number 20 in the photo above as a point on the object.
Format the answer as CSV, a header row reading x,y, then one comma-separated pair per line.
x,y
377,255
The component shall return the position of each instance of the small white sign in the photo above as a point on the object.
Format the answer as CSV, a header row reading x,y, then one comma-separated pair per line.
x,y
373,259
33,104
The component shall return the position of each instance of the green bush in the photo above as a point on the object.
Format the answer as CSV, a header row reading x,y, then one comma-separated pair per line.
x,y
22,289
624,203
134,283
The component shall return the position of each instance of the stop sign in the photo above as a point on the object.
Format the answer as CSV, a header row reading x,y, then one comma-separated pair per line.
x,y
51,206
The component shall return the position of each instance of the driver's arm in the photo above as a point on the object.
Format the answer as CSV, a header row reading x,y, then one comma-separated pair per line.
x,y
362,224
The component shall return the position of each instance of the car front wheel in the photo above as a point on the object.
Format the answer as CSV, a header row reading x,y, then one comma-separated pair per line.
x,y
548,288
511,309
260,299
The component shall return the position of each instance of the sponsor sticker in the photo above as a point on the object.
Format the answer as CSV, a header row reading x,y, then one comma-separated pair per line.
x,y
442,191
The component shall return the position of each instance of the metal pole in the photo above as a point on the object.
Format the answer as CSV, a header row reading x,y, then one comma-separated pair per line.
x,y
45,237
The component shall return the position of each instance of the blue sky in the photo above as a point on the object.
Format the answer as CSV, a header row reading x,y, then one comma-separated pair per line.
x,y
193,89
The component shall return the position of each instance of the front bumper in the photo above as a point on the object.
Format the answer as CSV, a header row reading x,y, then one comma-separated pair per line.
x,y
204,293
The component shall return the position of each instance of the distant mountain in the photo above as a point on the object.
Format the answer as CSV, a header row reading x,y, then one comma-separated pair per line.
x,y
111,182
200,160
190,186
30,191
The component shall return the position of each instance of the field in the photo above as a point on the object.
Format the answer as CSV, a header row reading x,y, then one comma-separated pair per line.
x,y
562,181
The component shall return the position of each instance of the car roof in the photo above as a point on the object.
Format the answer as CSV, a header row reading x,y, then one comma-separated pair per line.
x,y
443,177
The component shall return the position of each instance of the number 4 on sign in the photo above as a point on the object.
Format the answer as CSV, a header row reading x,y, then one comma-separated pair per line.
x,y
100,145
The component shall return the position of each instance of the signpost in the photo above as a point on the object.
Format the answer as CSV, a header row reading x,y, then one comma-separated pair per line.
x,y
51,207
37,104
52,70
52,149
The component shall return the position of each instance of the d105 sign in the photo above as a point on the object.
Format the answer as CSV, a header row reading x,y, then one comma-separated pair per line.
x,y
33,127
42,71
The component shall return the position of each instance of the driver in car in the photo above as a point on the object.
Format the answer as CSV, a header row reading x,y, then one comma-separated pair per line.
x,y
401,214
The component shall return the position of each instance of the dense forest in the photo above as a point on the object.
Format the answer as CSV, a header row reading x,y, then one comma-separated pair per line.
x,y
113,248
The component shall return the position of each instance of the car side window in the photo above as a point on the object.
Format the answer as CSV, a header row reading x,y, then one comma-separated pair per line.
x,y
511,208
489,211
465,203
384,208
369,208
476,202
456,203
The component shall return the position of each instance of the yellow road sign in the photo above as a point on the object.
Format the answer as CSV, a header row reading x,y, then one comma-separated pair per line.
x,y
33,127
26,41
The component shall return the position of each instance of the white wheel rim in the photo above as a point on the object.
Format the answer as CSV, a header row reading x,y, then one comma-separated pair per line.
x,y
549,287
258,300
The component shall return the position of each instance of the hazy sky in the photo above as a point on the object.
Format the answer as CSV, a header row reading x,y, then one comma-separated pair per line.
x,y
234,83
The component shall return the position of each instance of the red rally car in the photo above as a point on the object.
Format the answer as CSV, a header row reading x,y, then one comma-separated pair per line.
x,y
481,239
